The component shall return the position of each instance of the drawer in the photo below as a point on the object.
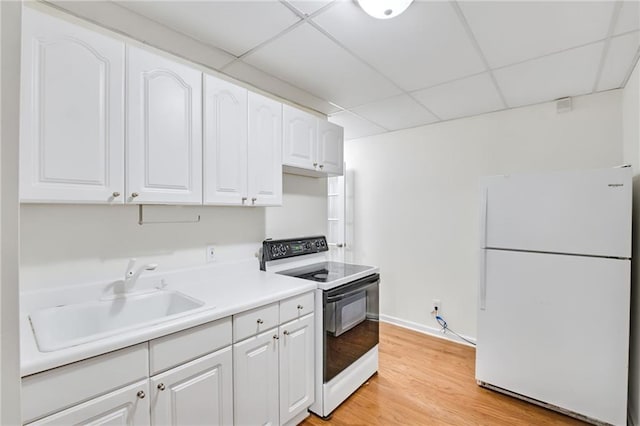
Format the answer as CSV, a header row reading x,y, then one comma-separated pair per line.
x,y
255,321
296,307
168,351
59,388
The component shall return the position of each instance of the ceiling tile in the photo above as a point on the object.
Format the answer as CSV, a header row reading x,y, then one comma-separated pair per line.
x,y
309,60
569,73
269,83
354,126
398,112
618,62
629,17
514,31
426,45
308,7
234,26
461,98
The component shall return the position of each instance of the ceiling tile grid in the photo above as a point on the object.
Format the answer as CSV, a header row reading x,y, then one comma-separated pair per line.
x,y
398,112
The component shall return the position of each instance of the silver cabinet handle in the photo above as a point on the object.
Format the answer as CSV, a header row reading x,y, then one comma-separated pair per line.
x,y
286,333
134,194
253,200
260,321
315,164
244,199
321,165
161,386
116,194
275,337
141,394
300,307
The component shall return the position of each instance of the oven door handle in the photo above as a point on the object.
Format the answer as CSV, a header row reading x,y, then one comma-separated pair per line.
x,y
332,299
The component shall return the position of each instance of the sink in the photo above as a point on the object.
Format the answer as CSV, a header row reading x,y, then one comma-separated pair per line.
x,y
64,326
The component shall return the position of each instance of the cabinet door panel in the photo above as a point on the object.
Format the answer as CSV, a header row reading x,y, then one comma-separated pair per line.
x,y
296,367
265,151
72,115
255,366
330,148
164,135
300,134
122,407
196,393
225,142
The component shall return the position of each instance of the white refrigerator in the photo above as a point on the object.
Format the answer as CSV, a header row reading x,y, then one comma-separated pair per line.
x,y
554,291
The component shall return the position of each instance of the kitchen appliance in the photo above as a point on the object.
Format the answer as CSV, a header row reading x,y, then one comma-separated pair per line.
x,y
347,313
554,293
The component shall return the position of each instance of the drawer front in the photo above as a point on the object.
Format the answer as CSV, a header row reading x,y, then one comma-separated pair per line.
x,y
57,389
255,321
296,307
169,351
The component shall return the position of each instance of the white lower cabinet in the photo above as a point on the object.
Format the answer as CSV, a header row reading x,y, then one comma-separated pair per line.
x,y
126,406
296,367
199,392
255,365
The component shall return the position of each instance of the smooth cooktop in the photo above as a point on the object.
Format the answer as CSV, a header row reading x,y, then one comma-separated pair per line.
x,y
325,272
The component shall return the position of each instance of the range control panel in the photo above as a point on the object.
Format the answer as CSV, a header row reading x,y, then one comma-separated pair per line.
x,y
281,249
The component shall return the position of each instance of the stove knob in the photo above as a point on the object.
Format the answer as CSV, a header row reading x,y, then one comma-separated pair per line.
x,y
308,246
283,249
322,243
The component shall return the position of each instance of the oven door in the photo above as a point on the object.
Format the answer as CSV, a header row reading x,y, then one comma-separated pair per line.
x,y
351,314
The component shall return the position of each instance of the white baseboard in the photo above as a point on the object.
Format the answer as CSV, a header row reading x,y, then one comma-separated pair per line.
x,y
425,329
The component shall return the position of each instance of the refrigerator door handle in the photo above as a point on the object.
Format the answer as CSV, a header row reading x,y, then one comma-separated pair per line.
x,y
484,208
483,280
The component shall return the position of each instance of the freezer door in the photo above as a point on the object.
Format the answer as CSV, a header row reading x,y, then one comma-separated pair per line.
x,y
586,212
556,328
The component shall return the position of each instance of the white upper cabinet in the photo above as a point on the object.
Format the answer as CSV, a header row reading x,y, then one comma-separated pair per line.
x,y
264,151
311,146
225,142
72,113
164,130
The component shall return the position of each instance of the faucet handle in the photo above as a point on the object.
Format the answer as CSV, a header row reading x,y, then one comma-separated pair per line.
x,y
151,266
132,263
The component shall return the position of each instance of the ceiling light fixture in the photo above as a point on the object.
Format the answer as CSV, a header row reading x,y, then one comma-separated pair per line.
x,y
384,9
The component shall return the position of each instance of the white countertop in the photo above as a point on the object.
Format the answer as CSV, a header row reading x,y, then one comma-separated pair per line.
x,y
225,290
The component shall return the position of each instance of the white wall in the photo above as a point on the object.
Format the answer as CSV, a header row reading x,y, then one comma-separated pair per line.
x,y
73,244
415,195
631,147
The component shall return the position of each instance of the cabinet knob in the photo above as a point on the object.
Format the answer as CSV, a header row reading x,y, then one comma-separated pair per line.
x,y
260,321
253,200
134,194
141,394
244,199
161,386
275,337
116,194
321,166
300,307
315,164
286,333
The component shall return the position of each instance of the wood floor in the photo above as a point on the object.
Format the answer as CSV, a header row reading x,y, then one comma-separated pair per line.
x,y
423,380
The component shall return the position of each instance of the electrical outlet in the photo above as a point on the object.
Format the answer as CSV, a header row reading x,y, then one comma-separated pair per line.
x,y
436,307
211,254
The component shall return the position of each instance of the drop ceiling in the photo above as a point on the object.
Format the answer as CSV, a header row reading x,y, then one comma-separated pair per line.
x,y
440,60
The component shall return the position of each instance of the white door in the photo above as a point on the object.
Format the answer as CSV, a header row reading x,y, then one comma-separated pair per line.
x,y
197,393
255,384
330,148
556,328
297,356
265,151
72,114
586,212
300,138
164,134
225,142
127,406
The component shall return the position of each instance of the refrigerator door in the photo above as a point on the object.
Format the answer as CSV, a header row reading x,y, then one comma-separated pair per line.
x,y
586,212
555,328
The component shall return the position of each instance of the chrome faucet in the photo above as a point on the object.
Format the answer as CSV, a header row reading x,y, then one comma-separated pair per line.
x,y
130,277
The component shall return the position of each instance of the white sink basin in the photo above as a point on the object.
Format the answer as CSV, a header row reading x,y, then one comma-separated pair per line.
x,y
71,325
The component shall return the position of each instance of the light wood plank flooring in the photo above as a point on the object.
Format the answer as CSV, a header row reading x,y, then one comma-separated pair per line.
x,y
423,380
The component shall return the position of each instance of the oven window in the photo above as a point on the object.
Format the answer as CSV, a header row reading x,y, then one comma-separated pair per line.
x,y
351,315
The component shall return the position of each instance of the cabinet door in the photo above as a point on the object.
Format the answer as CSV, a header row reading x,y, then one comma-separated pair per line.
x,y
330,148
126,406
196,393
255,369
72,114
225,142
297,357
265,151
300,138
164,135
